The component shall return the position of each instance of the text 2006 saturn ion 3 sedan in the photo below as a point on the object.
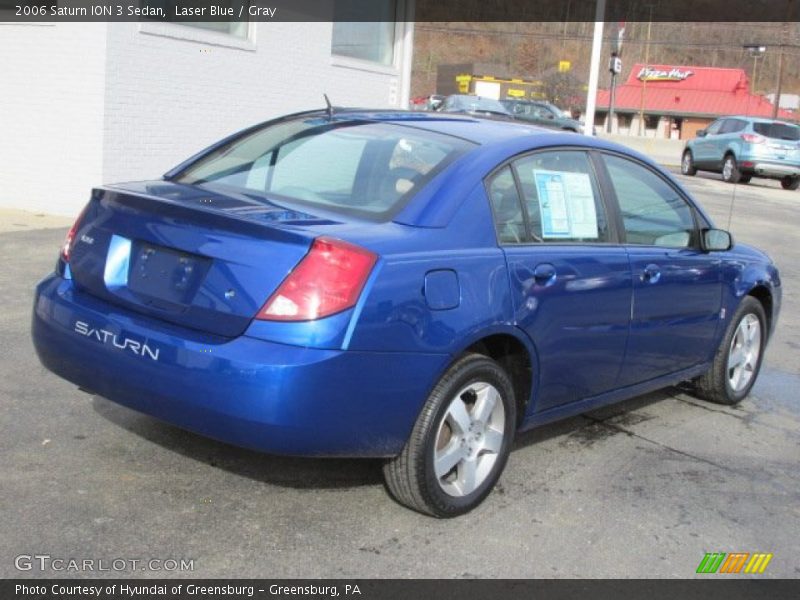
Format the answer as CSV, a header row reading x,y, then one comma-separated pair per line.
x,y
417,287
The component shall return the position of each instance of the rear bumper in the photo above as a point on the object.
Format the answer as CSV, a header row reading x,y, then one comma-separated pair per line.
x,y
252,393
763,168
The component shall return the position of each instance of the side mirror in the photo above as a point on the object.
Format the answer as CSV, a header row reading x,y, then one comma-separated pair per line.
x,y
551,116
702,133
717,240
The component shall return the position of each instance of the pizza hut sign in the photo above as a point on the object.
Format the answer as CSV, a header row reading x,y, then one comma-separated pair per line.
x,y
648,74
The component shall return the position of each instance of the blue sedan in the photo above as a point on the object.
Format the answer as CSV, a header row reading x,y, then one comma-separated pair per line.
x,y
412,286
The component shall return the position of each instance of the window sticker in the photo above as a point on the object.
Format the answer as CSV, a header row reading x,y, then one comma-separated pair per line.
x,y
566,200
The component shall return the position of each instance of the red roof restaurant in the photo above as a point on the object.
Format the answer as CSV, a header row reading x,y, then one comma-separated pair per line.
x,y
679,100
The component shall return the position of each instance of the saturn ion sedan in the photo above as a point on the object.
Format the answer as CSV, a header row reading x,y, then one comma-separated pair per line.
x,y
418,287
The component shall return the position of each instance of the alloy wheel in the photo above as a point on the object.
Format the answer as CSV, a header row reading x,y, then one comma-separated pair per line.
x,y
744,352
727,169
469,439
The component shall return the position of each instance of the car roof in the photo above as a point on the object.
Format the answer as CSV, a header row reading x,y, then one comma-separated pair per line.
x,y
474,129
758,119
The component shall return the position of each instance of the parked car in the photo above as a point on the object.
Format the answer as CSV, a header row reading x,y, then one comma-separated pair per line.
x,y
416,287
474,105
744,147
543,114
432,102
435,101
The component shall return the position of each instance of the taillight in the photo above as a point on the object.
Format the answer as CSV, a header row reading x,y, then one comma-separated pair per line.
x,y
68,241
753,138
327,281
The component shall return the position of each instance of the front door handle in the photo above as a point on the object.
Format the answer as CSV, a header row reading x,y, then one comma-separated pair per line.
x,y
544,273
651,273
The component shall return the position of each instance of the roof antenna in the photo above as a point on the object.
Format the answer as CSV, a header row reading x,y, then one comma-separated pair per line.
x,y
330,108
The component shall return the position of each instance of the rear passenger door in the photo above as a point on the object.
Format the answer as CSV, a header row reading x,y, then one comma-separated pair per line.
x,y
570,280
677,289
704,148
728,138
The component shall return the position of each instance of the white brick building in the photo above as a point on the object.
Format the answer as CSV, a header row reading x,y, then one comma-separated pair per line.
x,y
88,103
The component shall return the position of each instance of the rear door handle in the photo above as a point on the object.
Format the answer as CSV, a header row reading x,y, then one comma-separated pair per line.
x,y
544,273
651,273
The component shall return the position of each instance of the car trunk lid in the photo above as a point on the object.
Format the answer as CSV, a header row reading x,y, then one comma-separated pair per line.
x,y
187,255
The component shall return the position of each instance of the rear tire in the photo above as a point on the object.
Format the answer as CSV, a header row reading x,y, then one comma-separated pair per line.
x,y
745,178
730,170
687,164
460,442
790,183
738,359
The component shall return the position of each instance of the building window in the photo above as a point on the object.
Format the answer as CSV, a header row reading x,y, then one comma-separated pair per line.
x,y
372,41
237,29
651,121
624,120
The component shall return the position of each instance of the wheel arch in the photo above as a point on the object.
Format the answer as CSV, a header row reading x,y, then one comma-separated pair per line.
x,y
763,294
516,354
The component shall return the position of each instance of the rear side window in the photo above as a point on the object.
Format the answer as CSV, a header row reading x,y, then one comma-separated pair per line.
x,y
361,167
714,128
733,126
778,131
507,208
653,213
561,197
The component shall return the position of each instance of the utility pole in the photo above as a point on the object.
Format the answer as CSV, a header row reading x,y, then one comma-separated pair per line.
x,y
756,51
779,87
594,69
784,34
642,128
615,66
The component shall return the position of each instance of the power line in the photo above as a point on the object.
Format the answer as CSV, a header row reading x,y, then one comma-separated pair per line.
x,y
587,38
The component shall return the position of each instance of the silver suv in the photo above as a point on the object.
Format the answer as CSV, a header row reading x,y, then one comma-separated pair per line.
x,y
743,147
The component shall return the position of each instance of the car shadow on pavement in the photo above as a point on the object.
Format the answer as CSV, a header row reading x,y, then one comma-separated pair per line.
x,y
591,426
328,473
292,472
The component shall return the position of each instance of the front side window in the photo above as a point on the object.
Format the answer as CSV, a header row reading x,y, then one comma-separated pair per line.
x,y
359,167
372,40
561,197
653,213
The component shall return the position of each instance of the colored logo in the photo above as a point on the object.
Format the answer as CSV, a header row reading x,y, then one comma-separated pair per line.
x,y
735,562
648,74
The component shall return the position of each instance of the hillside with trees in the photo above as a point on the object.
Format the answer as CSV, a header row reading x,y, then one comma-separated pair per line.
x,y
533,50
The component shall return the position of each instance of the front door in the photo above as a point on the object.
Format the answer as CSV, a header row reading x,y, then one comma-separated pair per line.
x,y
677,289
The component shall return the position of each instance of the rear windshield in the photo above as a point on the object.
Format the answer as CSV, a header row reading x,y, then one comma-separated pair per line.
x,y
366,168
778,131
474,103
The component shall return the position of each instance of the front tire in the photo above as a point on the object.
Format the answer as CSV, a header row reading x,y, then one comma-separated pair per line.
x,y
730,170
460,442
687,164
790,183
738,359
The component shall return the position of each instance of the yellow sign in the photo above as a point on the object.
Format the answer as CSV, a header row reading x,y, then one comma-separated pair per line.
x,y
564,66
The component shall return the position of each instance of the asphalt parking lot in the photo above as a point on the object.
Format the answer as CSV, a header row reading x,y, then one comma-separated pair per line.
x,y
641,489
